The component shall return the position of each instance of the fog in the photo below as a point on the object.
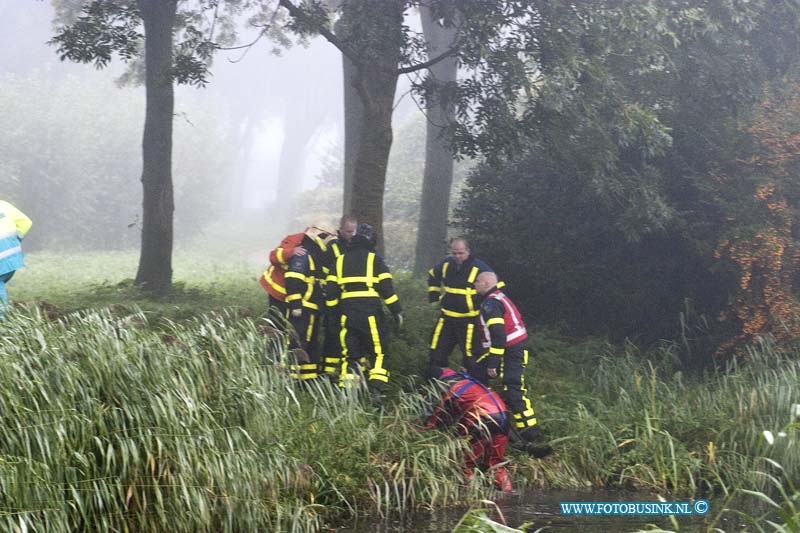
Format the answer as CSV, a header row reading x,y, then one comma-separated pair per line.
x,y
72,159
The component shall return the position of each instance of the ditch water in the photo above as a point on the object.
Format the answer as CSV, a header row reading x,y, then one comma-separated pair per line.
x,y
542,510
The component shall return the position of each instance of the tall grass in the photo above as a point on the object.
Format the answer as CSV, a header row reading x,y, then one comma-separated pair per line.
x,y
193,426
639,422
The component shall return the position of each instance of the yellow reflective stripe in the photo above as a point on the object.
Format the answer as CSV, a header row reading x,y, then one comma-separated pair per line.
x,y
482,357
342,343
336,250
339,262
279,255
497,351
308,366
493,321
376,339
466,291
370,269
377,372
332,303
454,314
524,360
468,348
293,297
472,275
333,360
430,273
385,275
297,275
501,284
434,289
268,278
310,328
436,333
391,299
444,269
361,294
357,279
527,412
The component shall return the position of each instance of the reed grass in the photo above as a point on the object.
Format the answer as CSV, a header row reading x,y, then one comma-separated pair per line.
x,y
108,423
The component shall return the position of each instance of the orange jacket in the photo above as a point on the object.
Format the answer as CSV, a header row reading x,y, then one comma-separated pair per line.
x,y
273,279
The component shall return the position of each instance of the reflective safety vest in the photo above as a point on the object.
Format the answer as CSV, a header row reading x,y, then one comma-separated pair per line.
x,y
361,277
512,320
302,289
453,286
14,224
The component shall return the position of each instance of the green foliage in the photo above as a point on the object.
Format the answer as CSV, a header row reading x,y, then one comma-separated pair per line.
x,y
613,197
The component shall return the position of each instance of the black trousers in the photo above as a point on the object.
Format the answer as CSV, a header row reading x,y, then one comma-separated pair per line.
x,y
363,336
331,356
449,332
515,394
303,333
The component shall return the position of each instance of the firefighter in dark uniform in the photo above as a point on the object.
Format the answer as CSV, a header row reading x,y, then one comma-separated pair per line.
x,y
503,337
360,282
451,284
303,298
331,357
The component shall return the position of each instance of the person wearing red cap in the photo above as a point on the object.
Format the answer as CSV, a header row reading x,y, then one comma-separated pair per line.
x,y
476,412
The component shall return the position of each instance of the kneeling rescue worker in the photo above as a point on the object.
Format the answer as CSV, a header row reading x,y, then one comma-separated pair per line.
x,y
475,412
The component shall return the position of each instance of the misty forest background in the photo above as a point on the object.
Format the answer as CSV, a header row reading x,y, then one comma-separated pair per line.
x,y
628,167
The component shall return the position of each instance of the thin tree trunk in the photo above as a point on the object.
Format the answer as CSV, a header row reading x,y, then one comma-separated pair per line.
x,y
437,179
353,118
300,124
244,149
155,261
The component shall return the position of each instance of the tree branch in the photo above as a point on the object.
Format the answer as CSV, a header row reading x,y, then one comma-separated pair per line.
x,y
429,63
298,14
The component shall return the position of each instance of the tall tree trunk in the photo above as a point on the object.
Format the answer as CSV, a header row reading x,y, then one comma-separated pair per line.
x,y
353,118
155,261
437,178
376,81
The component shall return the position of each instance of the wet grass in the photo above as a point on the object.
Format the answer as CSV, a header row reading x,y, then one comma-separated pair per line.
x,y
108,424
617,416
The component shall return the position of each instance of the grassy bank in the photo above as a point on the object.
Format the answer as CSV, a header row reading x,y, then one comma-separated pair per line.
x,y
115,410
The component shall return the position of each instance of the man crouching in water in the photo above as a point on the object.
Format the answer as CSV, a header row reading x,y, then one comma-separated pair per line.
x,y
473,411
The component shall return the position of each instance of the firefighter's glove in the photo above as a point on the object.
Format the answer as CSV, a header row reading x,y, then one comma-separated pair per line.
x,y
398,320
297,313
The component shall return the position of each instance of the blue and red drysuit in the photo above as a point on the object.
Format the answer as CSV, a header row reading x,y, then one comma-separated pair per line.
x,y
475,412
